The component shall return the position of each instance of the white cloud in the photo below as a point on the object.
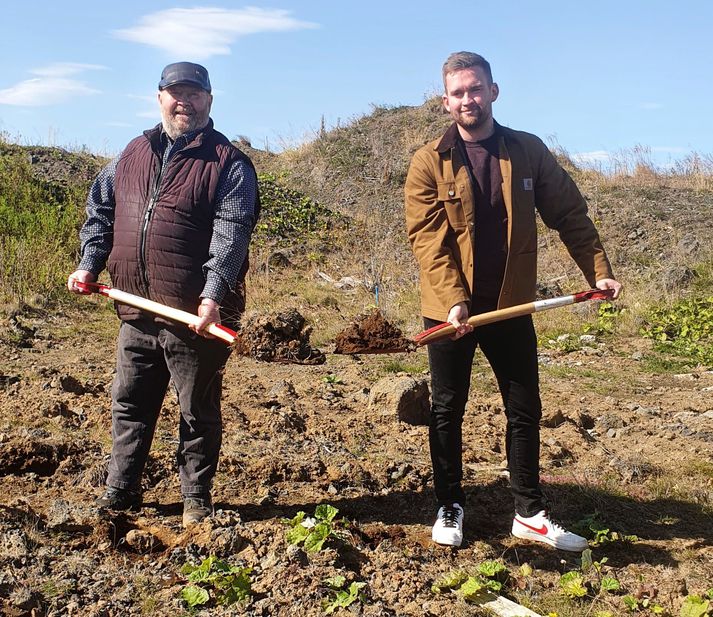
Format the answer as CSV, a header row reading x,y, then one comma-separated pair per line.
x,y
203,32
65,69
596,156
651,106
53,87
149,114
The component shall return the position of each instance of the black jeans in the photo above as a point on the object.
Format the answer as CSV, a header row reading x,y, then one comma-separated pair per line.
x,y
510,347
149,355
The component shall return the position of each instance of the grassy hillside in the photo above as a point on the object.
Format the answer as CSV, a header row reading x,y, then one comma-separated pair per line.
x,y
333,210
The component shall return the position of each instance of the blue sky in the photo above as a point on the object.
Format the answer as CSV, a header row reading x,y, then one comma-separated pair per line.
x,y
598,77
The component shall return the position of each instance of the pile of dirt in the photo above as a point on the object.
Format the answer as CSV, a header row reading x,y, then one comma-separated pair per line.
x,y
371,333
280,337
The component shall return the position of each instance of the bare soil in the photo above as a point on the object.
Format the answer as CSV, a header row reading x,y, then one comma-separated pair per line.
x,y
629,446
280,337
371,333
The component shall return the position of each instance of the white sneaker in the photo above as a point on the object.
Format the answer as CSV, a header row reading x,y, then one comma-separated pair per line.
x,y
541,529
448,528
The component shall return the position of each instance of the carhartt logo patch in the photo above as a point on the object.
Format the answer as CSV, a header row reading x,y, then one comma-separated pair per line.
x,y
527,184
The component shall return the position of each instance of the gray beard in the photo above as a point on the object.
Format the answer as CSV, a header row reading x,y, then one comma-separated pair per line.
x,y
174,132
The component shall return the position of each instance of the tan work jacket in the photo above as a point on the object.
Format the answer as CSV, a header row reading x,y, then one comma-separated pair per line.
x,y
440,219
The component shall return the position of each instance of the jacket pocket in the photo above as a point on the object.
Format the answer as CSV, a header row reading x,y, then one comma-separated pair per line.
x,y
450,198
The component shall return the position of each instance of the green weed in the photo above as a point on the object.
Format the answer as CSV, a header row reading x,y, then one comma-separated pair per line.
x,y
341,595
489,577
698,606
599,533
312,532
228,584
607,318
685,329
287,213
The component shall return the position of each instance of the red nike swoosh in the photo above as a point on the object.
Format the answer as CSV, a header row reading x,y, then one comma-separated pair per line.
x,y
541,530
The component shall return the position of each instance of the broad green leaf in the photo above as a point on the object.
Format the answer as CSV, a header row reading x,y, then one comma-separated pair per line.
x,y
239,588
296,535
695,606
586,559
325,512
473,589
317,537
609,583
491,569
525,570
451,580
195,596
572,585
296,520
630,602
335,582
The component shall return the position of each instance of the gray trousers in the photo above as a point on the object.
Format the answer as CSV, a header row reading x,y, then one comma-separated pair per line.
x,y
149,355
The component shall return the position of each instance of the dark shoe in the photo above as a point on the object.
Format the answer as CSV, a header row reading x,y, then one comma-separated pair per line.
x,y
119,499
195,509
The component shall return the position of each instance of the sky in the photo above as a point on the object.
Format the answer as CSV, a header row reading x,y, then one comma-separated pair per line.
x,y
597,78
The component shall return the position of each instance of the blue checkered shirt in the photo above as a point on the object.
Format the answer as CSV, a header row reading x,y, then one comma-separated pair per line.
x,y
232,226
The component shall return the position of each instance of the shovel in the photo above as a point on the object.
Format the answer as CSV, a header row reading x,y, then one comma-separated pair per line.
x,y
446,330
225,334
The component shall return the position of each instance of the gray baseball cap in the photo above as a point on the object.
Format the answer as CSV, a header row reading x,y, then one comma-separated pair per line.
x,y
185,73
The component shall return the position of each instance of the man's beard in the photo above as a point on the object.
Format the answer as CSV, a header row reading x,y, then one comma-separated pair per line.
x,y
471,121
177,125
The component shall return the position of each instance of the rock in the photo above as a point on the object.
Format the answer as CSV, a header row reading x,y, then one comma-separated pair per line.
x,y
648,411
587,339
282,393
14,544
405,397
675,277
71,384
554,419
65,516
585,421
141,541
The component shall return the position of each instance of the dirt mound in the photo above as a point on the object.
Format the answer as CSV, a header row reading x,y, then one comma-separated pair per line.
x,y
371,333
280,337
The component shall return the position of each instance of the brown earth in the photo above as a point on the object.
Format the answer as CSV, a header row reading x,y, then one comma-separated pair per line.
x,y
629,446
280,337
371,333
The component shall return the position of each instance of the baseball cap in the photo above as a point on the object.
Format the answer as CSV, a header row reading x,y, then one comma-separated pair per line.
x,y
185,73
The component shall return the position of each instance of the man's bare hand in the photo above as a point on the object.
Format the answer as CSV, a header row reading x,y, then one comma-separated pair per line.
x,y
458,317
80,276
610,284
209,312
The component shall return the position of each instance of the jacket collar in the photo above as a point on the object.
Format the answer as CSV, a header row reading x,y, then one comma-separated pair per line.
x,y
452,136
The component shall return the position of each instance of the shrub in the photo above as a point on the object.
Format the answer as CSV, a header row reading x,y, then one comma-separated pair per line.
x,y
686,329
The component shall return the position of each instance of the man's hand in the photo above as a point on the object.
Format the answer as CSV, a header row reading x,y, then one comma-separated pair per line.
x,y
610,284
80,276
209,312
457,317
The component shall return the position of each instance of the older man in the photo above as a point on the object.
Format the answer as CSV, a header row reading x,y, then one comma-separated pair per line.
x,y
171,217
471,198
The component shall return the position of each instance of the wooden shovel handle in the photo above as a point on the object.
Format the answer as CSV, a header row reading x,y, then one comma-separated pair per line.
x,y
217,330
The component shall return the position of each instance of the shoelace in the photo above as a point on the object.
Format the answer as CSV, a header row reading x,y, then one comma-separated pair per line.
x,y
450,516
